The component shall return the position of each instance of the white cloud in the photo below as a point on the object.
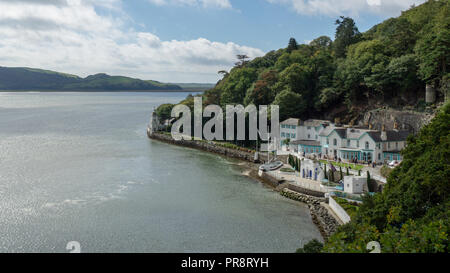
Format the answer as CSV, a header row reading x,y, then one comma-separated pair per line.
x,y
224,4
348,7
71,36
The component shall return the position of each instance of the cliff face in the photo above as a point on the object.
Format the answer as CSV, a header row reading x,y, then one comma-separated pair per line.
x,y
396,119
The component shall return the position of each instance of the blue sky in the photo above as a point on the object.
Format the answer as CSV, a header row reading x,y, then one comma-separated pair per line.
x,y
255,23
168,40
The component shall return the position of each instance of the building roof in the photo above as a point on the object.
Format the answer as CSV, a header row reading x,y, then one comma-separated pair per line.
x,y
292,121
342,132
395,135
392,135
375,135
305,142
327,131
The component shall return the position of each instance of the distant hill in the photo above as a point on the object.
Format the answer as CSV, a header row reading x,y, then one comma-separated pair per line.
x,y
23,78
196,86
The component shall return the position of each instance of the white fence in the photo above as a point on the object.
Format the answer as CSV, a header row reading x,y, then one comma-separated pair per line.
x,y
340,212
310,185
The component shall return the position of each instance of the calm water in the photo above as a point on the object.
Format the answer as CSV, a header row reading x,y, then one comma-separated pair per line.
x,y
79,167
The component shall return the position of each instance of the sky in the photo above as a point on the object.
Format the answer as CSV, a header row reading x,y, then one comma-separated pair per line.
x,y
168,40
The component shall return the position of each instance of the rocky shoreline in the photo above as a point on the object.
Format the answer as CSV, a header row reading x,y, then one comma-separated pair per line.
x,y
321,217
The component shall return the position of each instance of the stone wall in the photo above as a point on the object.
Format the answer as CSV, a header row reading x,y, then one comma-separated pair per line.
x,y
305,191
206,146
326,223
270,180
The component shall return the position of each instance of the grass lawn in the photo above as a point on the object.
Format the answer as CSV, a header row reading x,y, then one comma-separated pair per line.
x,y
344,165
350,207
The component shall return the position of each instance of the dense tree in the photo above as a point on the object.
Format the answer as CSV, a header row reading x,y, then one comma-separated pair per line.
x,y
292,45
236,86
261,92
295,78
346,34
164,111
290,103
243,60
323,42
433,49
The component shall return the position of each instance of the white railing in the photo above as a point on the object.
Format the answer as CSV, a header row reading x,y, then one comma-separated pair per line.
x,y
338,210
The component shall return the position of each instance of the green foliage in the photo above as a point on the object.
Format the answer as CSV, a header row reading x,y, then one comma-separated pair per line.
x,y
346,34
164,111
292,45
385,171
261,92
235,87
433,49
350,207
291,104
412,212
313,246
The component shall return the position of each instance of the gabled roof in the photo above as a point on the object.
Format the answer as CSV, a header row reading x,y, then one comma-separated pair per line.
x,y
375,135
342,132
291,121
395,135
392,135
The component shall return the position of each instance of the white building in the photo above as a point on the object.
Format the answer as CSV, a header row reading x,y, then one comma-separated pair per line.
x,y
355,184
323,138
303,135
311,169
365,145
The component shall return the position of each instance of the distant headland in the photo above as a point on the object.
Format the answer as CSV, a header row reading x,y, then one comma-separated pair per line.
x,y
32,79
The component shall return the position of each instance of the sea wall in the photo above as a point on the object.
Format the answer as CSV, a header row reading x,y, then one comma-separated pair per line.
x,y
206,146
305,191
320,215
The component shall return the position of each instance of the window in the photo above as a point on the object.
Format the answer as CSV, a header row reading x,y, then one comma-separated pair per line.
x,y
396,145
367,145
334,142
389,145
283,126
293,126
379,156
348,142
379,145
288,135
309,127
328,141
357,143
317,137
283,134
293,135
309,136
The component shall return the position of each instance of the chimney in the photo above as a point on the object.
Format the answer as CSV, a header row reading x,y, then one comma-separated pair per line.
x,y
383,133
